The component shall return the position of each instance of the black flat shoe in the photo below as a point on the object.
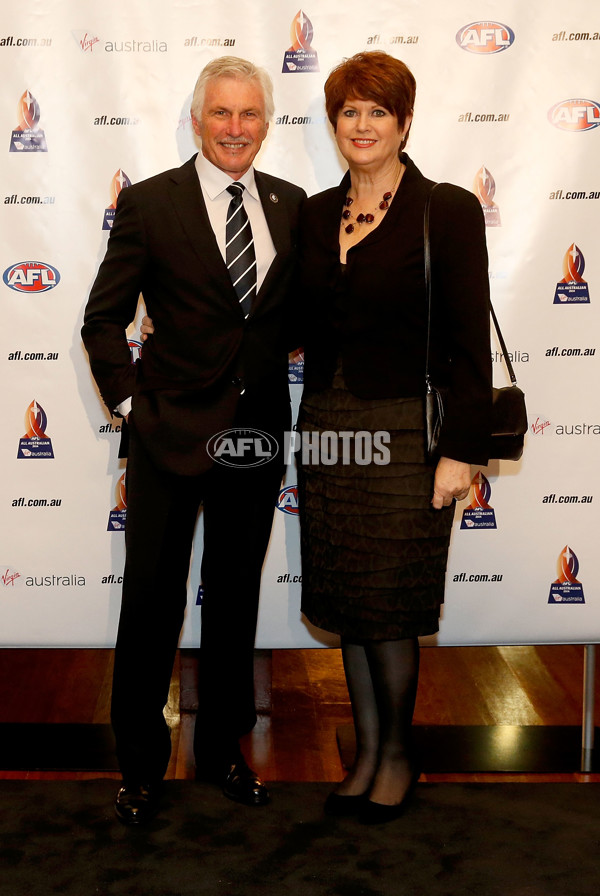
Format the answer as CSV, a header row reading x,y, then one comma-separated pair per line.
x,y
136,803
344,805
243,785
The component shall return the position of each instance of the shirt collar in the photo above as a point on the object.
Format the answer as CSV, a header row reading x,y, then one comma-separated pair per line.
x,y
214,181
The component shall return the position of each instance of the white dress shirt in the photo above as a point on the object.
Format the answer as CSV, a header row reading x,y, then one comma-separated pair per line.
x,y
214,183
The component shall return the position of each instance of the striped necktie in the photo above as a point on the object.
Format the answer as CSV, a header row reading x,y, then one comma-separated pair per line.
x,y
239,252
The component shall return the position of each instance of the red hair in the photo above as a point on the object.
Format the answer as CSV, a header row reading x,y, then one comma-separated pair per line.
x,y
372,76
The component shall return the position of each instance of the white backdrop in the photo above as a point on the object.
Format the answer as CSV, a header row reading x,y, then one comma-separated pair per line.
x,y
96,95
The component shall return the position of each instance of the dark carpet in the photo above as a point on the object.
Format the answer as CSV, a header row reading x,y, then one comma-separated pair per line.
x,y
484,839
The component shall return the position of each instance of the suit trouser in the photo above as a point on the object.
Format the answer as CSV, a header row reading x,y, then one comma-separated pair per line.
x,y
162,508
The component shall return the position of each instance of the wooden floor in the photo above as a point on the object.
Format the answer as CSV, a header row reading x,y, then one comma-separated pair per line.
x,y
296,740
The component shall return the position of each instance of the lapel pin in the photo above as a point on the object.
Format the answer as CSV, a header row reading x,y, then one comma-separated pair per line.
x,y
274,197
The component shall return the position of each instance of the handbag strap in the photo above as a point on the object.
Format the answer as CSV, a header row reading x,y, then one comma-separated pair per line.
x,y
427,256
507,360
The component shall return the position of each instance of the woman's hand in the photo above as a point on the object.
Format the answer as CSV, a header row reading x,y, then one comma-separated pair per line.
x,y
452,480
147,328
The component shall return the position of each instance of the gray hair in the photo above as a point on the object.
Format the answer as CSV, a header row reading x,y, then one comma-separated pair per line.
x,y
233,67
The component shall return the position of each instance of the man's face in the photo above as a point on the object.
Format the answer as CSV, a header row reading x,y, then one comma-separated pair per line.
x,y
232,124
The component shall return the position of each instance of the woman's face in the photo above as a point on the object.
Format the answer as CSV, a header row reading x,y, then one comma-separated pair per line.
x,y
368,135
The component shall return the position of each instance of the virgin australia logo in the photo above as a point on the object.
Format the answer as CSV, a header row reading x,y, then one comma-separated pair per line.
x,y
85,40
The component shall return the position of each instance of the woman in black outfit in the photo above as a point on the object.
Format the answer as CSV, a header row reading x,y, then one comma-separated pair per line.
x,y
375,535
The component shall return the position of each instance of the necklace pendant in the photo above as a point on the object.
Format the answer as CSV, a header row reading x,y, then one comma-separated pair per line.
x,y
362,218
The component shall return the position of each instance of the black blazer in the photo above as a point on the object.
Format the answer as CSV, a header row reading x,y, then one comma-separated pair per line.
x,y
374,315
162,245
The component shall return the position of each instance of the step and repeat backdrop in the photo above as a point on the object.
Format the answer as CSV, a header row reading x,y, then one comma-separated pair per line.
x,y
96,97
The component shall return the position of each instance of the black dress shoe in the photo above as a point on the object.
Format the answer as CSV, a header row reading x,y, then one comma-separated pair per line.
x,y
243,785
381,813
343,805
136,803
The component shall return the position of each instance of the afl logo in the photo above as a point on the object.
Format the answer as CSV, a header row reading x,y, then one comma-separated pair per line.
x,y
135,350
287,500
31,276
242,448
575,115
485,37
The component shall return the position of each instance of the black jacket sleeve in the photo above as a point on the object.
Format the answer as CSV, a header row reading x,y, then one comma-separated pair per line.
x,y
461,322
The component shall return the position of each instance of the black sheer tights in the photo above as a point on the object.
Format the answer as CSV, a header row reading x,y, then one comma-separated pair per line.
x,y
382,679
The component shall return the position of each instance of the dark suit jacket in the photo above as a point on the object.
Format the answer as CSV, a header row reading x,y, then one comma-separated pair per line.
x,y
162,245
374,315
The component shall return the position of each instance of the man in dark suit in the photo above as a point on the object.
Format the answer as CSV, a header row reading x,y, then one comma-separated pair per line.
x,y
217,361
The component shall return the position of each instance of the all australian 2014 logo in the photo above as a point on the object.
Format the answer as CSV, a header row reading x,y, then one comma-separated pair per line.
x,y
567,589
484,187
301,57
27,135
478,514
572,289
118,515
296,367
35,444
118,183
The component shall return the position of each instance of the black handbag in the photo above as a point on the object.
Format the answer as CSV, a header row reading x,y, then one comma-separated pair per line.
x,y
509,415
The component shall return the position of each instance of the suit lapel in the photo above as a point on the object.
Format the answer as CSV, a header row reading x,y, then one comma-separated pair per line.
x,y
277,217
276,214
188,201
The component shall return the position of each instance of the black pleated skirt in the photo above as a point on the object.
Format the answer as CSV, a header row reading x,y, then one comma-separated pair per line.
x,y
374,551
